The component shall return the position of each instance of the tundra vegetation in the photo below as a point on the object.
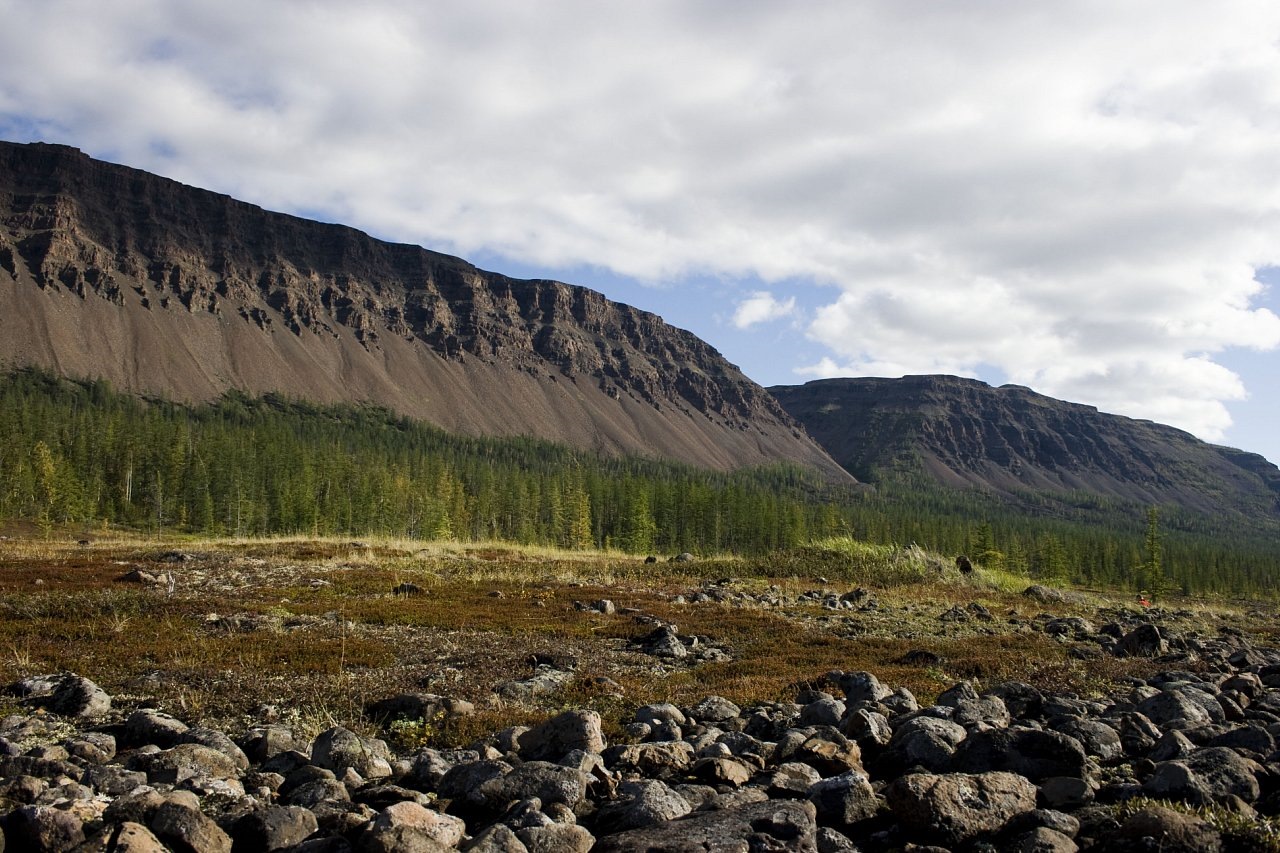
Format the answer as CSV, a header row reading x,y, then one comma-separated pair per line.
x,y
255,637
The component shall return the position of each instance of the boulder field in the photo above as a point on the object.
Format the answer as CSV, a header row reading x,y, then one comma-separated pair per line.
x,y
852,764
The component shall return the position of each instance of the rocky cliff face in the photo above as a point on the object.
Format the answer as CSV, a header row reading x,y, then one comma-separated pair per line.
x,y
160,288
962,433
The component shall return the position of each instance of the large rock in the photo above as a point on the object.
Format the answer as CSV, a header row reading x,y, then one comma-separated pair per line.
x,y
405,827
264,742
927,742
1181,707
549,783
135,838
465,779
339,748
563,734
645,802
78,697
957,807
660,712
185,829
1204,777
1098,739
556,838
844,799
498,838
652,760
39,828
859,687
792,780
769,825
273,828
149,726
821,747
1033,753
215,739
429,766
1022,700
720,771
187,761
870,729
714,709
1145,641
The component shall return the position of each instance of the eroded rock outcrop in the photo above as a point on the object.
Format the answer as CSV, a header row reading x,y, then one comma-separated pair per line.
x,y
161,288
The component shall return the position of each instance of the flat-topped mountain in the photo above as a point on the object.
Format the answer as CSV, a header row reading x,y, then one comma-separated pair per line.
x,y
964,433
164,289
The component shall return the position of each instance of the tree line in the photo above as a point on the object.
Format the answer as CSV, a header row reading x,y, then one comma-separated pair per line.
x,y
78,452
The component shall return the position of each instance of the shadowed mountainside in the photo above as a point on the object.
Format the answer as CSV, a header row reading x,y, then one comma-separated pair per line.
x,y
963,433
110,272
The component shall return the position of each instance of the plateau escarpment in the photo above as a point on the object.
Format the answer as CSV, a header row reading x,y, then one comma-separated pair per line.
x,y
160,288
963,433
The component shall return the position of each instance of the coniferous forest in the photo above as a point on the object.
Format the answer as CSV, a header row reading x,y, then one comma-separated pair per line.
x,y
77,452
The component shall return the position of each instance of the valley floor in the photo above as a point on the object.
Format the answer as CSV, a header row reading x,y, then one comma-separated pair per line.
x,y
313,634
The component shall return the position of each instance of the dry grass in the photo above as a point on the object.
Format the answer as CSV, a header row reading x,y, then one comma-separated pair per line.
x,y
312,627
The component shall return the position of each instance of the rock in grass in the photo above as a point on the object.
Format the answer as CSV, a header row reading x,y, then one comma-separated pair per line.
x,y
1159,828
545,681
1044,594
76,696
65,694
1145,641
149,726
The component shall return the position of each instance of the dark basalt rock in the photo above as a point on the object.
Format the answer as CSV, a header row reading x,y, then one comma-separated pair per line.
x,y
1033,753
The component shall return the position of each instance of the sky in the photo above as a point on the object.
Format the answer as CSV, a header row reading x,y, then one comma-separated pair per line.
x,y
1082,197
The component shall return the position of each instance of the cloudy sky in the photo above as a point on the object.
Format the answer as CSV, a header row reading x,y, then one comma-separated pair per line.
x,y
1082,197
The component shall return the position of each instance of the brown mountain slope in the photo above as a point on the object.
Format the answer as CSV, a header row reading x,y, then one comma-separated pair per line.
x,y
964,433
107,271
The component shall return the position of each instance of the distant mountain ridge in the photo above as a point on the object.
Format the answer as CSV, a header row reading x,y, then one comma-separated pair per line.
x,y
161,288
963,433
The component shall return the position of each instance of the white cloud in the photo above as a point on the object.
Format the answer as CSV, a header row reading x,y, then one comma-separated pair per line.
x,y
1075,193
761,307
